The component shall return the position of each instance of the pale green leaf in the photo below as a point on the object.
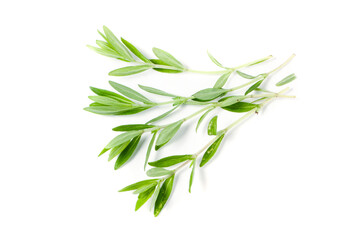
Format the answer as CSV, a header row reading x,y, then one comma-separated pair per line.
x,y
167,134
129,92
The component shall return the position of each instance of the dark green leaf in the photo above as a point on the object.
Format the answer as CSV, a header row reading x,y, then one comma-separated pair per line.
x,y
171,160
240,107
158,172
132,127
156,91
149,149
162,115
222,80
135,51
163,70
164,195
191,177
129,92
244,75
167,58
227,101
286,80
122,138
117,45
156,194
106,93
209,94
212,127
103,151
130,70
144,197
202,118
214,60
117,150
127,152
137,185
211,151
253,87
167,134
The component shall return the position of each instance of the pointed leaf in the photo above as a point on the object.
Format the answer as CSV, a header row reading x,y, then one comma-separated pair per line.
x,y
163,70
211,151
214,60
164,195
191,177
167,134
109,101
106,93
117,45
156,194
122,138
171,160
286,80
145,188
209,94
106,110
240,107
158,172
227,101
202,118
103,151
135,51
151,144
137,185
222,80
117,150
144,197
253,87
162,115
129,92
130,70
127,152
132,127
106,52
156,91
167,58
212,127
244,75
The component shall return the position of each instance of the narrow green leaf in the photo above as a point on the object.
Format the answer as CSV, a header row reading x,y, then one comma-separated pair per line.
x,y
214,60
212,127
104,45
240,107
129,92
191,177
162,115
105,52
164,195
209,94
137,185
163,70
151,144
102,35
127,152
156,194
158,172
117,150
144,197
132,111
286,80
135,51
202,118
167,58
130,70
244,75
108,101
167,134
253,87
122,138
117,45
156,91
222,80
132,127
103,151
171,160
106,110
106,93
227,101
211,151
145,188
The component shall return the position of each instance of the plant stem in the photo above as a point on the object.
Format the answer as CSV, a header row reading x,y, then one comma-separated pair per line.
x,y
282,65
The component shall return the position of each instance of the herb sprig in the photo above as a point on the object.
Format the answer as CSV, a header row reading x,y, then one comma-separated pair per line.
x,y
127,101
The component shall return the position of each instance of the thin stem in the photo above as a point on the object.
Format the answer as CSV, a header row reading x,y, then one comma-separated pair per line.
x,y
282,65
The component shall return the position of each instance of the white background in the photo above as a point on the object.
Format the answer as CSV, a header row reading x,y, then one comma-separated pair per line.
x,y
291,172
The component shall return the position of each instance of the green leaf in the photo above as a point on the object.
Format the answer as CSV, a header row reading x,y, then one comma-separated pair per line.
x,y
222,80
130,70
102,35
167,58
209,94
106,52
135,51
164,195
158,172
171,160
156,91
227,101
132,127
212,127
167,134
214,60
122,138
129,92
117,150
127,152
240,107
163,70
253,87
103,151
202,118
162,115
109,101
286,80
106,110
117,45
106,93
151,144
191,177
144,197
137,185
145,188
104,45
211,151
244,75
156,194
132,111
